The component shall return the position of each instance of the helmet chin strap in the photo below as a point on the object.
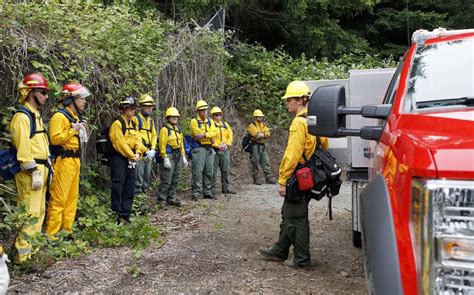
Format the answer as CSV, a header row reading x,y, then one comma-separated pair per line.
x,y
79,112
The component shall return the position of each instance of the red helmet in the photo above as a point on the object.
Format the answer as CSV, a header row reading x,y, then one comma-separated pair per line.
x,y
74,90
35,81
30,82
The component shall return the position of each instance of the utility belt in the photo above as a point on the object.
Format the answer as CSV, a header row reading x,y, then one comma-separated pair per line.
x,y
60,151
70,154
206,146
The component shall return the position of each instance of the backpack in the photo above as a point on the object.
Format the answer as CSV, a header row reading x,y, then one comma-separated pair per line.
x,y
56,150
247,143
103,144
140,127
189,144
9,165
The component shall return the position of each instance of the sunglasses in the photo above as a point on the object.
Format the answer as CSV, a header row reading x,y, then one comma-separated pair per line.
x,y
217,115
42,92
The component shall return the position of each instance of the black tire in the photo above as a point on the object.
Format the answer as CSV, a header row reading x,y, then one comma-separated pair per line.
x,y
356,239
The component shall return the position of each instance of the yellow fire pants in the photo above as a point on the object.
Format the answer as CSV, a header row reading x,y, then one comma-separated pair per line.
x,y
64,193
34,202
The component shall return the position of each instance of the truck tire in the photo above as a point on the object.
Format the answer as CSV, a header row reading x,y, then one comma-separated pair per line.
x,y
356,239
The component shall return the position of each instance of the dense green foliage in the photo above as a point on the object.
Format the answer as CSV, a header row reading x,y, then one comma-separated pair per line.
x,y
257,78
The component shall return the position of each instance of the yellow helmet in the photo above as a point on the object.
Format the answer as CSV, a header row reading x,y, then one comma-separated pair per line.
x,y
146,100
201,105
215,110
172,112
296,89
258,113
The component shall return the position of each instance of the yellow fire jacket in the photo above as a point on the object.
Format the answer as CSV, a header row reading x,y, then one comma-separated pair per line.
x,y
197,126
172,137
224,134
127,144
258,127
147,132
62,133
29,149
300,143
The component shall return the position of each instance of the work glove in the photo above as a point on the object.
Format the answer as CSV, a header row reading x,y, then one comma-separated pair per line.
x,y
36,180
83,136
167,163
132,164
4,276
185,161
150,154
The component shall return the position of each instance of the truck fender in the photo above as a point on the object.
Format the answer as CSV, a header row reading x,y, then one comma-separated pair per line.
x,y
381,259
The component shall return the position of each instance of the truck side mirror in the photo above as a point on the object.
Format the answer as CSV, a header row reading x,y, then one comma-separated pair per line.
x,y
323,116
327,114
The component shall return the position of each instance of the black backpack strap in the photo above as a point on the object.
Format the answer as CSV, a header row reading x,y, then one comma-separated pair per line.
x,y
32,117
124,125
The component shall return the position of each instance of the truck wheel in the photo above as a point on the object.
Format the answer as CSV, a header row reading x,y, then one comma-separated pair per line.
x,y
356,239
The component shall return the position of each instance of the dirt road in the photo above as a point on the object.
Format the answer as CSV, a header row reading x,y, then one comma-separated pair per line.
x,y
211,248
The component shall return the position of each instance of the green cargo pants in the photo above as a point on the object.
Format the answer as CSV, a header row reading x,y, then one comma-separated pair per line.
x,y
202,170
221,162
259,155
170,178
294,230
143,175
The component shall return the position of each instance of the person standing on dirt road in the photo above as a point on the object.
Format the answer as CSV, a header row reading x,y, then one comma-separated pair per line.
x,y
31,142
222,142
294,227
203,131
146,126
127,142
171,149
67,132
259,132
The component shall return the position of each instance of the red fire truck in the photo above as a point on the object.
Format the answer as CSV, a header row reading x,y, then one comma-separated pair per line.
x,y
417,211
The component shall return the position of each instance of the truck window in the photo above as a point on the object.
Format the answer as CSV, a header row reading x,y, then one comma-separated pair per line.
x,y
442,75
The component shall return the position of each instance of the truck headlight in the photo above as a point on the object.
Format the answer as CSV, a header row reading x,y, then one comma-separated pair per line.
x,y
442,230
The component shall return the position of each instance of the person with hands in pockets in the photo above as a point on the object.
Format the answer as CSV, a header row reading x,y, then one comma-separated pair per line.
x,y
171,148
31,142
127,143
146,126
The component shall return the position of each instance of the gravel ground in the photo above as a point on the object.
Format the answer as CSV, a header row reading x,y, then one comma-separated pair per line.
x,y
210,247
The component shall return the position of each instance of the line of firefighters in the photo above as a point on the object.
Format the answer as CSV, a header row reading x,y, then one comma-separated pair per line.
x,y
136,143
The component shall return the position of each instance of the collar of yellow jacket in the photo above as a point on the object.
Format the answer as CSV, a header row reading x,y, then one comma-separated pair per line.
x,y
206,119
72,113
32,109
303,111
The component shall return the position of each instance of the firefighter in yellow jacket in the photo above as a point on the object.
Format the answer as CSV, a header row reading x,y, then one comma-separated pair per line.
x,y
222,142
32,145
64,129
294,227
144,120
127,143
203,132
259,133
171,147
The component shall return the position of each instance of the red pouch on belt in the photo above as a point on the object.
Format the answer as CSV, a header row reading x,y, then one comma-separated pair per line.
x,y
305,178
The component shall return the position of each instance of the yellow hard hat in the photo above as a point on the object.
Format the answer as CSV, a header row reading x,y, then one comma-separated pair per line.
x,y
258,113
216,110
146,100
296,89
201,105
172,112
